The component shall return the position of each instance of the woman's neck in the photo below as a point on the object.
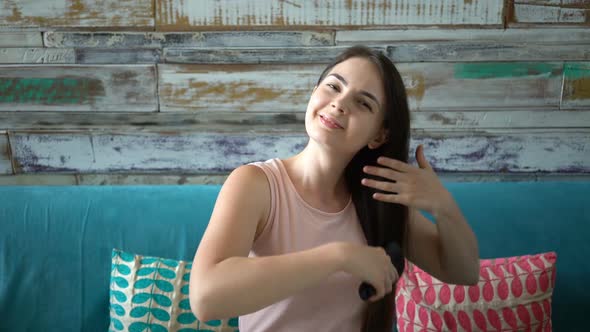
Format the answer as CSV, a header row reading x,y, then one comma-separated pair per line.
x,y
318,176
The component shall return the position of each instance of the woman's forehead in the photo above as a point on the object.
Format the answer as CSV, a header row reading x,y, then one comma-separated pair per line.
x,y
361,74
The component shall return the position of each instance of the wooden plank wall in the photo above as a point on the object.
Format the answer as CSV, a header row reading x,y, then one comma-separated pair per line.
x,y
175,92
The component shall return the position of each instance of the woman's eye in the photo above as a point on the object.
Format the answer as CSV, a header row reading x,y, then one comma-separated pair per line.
x,y
332,86
365,105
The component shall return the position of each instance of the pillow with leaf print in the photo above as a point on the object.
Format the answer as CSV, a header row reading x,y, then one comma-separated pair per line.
x,y
512,294
151,294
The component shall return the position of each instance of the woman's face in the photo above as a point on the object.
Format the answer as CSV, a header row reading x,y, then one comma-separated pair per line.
x,y
345,111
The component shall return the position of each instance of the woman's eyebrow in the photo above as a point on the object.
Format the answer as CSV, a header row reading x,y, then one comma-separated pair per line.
x,y
363,92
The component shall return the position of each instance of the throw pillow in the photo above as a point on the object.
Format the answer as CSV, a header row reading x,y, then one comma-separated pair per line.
x,y
151,294
513,293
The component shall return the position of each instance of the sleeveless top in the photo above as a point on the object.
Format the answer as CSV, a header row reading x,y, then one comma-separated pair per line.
x,y
294,225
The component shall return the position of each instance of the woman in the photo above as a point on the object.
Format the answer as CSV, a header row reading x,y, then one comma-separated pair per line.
x,y
290,241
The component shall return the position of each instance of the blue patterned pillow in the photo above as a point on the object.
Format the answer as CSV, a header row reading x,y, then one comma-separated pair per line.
x,y
151,294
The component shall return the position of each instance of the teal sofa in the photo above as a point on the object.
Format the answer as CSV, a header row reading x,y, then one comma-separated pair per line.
x,y
56,242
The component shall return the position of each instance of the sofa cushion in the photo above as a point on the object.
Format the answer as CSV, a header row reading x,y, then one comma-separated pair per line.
x,y
147,291
513,294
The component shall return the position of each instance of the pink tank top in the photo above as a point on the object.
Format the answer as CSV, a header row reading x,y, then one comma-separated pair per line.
x,y
293,225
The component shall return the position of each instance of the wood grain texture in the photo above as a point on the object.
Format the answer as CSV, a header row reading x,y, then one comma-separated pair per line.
x,y
537,35
292,122
430,86
576,86
188,39
19,55
564,151
5,163
78,88
38,180
550,12
486,51
117,56
266,55
21,39
77,14
186,15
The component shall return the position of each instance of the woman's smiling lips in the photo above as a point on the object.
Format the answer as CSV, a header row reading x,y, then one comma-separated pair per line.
x,y
330,122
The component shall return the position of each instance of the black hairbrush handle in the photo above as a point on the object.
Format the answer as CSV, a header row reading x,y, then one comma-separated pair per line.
x,y
395,254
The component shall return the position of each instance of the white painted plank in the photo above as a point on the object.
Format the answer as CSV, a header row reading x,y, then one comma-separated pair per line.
x,y
5,164
430,86
562,151
183,15
552,12
62,39
152,179
21,39
573,35
280,122
77,88
36,55
81,13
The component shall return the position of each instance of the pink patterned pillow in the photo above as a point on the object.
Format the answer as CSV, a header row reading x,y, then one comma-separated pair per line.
x,y
513,293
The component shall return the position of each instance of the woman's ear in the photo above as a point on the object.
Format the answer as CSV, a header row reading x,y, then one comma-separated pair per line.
x,y
381,138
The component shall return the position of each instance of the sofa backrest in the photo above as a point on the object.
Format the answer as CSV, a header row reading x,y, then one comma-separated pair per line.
x,y
56,242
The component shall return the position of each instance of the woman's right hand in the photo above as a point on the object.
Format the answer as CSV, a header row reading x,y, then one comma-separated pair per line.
x,y
370,264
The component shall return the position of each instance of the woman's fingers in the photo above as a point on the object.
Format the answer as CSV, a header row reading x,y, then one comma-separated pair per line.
x,y
388,186
386,173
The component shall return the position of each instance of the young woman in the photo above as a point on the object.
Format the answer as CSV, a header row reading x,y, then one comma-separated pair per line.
x,y
290,241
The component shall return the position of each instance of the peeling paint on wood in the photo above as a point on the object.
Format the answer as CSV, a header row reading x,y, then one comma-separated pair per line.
x,y
38,180
117,56
36,55
515,36
485,51
184,15
156,121
21,39
77,88
565,151
79,13
288,55
576,86
5,163
551,11
293,122
188,39
151,179
430,86
236,88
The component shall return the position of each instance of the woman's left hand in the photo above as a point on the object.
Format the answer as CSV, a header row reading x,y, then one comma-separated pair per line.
x,y
417,187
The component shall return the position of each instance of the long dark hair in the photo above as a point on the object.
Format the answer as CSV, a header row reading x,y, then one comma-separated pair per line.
x,y
381,222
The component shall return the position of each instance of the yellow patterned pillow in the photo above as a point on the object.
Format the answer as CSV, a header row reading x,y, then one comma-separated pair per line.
x,y
151,293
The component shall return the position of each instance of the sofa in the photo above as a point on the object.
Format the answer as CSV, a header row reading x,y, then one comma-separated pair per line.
x,y
56,242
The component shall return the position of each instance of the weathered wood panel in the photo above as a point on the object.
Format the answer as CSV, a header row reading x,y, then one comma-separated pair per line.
x,y
77,14
576,86
486,51
280,122
185,15
565,151
551,12
5,164
154,179
38,180
188,39
78,88
267,55
537,35
430,86
36,55
408,52
117,56
21,39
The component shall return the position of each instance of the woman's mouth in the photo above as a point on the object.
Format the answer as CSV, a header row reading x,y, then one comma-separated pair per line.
x,y
329,122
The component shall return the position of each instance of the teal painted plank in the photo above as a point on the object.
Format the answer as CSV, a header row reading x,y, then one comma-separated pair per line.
x,y
505,70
